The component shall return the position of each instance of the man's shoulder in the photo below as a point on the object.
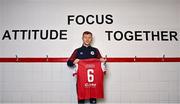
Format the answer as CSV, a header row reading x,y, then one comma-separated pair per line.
x,y
94,48
79,48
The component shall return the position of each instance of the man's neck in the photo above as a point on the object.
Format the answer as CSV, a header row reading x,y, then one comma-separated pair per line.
x,y
86,45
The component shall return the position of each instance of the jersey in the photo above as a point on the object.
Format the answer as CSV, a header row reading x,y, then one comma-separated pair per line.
x,y
90,78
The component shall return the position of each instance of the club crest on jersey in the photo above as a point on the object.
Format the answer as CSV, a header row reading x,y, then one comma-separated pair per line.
x,y
92,52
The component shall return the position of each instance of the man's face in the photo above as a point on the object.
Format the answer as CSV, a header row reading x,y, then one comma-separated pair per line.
x,y
87,39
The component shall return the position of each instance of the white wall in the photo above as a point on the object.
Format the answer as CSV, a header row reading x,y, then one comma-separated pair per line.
x,y
127,15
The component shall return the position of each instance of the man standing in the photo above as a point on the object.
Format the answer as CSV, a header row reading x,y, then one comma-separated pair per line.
x,y
86,51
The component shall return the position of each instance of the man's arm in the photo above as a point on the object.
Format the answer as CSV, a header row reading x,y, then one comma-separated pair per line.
x,y
100,57
72,58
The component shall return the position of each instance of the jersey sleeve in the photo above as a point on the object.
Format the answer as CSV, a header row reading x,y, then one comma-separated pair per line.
x,y
75,70
72,58
98,54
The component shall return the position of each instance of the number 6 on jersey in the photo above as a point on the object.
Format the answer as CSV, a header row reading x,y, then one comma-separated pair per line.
x,y
90,75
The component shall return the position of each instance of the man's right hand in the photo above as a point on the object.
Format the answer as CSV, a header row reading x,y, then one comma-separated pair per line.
x,y
76,61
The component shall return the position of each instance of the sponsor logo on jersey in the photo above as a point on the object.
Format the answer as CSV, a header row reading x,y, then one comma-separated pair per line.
x,y
81,53
88,85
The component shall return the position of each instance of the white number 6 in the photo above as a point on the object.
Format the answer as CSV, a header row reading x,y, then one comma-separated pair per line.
x,y
90,75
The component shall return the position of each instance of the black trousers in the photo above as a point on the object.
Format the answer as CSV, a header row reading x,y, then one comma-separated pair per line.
x,y
92,101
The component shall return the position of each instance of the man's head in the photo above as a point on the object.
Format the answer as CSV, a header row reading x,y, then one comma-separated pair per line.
x,y
87,38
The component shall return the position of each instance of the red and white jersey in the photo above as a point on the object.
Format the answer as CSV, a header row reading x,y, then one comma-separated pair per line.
x,y
90,78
